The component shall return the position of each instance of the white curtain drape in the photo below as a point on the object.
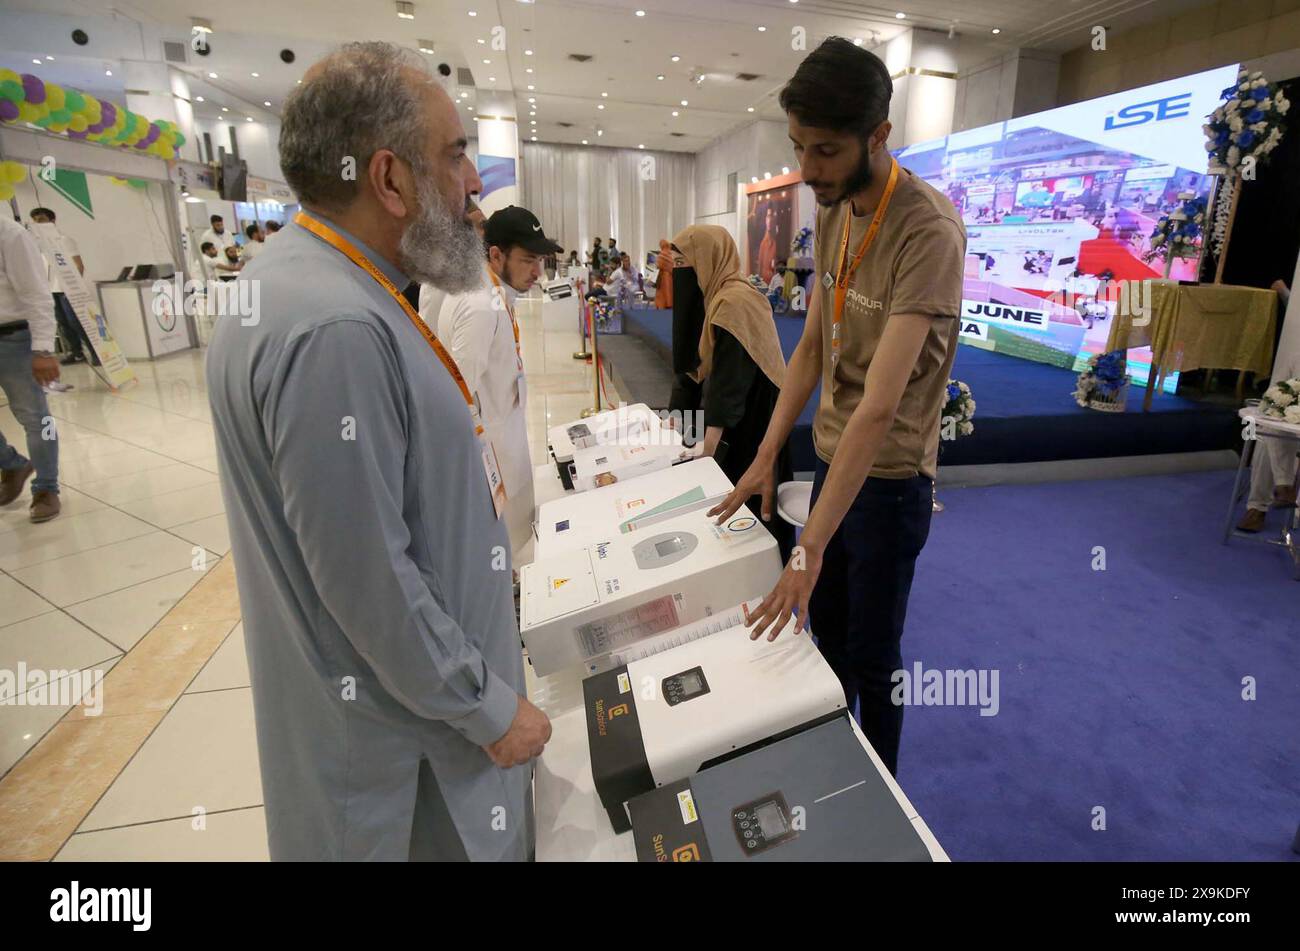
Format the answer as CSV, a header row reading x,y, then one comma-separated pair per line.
x,y
581,193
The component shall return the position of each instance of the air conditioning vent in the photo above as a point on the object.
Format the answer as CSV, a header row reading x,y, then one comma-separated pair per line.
x,y
580,57
565,125
464,77
677,135
174,52
746,77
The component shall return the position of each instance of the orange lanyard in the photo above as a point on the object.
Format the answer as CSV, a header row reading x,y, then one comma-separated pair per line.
x,y
842,276
514,324
340,243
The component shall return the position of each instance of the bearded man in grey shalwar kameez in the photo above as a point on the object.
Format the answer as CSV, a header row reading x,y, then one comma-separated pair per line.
x,y
374,575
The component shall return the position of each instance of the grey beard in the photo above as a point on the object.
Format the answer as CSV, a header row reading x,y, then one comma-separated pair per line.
x,y
440,247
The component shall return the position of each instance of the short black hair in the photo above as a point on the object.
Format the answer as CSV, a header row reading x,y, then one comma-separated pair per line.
x,y
251,229
840,87
273,226
207,244
214,219
42,211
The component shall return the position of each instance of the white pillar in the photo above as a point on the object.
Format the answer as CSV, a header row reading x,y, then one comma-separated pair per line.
x,y
498,153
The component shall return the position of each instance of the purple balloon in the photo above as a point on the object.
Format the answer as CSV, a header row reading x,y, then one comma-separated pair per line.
x,y
8,110
142,145
33,89
74,134
107,112
95,129
152,135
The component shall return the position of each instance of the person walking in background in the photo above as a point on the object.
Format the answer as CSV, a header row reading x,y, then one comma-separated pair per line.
x,y
50,239
27,365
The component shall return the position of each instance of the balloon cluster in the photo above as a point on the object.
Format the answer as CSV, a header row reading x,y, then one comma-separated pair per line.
x,y
26,98
11,173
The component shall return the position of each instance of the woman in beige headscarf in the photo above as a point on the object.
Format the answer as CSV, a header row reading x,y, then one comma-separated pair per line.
x,y
727,360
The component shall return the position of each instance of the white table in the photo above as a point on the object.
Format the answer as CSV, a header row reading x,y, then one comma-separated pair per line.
x,y
572,825
1266,427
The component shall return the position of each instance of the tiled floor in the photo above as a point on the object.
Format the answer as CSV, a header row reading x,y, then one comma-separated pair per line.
x,y
133,581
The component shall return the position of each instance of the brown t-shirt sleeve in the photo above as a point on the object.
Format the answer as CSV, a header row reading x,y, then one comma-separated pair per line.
x,y
928,270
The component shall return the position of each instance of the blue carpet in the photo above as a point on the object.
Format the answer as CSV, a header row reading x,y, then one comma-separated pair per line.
x,y
1025,411
1119,688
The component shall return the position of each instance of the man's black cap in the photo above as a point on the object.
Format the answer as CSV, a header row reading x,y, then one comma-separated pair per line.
x,y
515,225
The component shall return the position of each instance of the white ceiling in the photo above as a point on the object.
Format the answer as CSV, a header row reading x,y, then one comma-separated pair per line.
x,y
718,39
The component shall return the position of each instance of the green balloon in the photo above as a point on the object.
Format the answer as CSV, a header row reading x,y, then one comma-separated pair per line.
x,y
62,116
180,140
12,91
73,101
43,121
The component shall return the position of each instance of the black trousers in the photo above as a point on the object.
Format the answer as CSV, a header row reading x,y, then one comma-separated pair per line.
x,y
859,605
74,335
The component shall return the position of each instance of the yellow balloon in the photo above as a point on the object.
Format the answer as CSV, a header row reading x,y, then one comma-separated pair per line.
x,y
9,76
6,191
78,123
27,112
12,172
55,96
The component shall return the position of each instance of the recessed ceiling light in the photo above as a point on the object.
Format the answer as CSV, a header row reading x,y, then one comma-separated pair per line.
x,y
248,118
762,29
534,138
300,82
405,11
600,105
473,13
471,108
674,112
492,79
641,146
528,69
531,99
584,141
660,77
212,75
531,87
685,103
900,16
426,46
266,102
487,62
604,95
198,99
532,112
675,58
225,109
528,52
256,75
857,41
48,56
532,122
464,95
38,62
600,131
482,42
108,72
640,13
996,30
750,109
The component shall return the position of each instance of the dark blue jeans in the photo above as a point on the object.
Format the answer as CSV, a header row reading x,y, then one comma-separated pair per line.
x,y
859,605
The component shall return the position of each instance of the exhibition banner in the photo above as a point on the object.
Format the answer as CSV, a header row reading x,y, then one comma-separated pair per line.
x,y
1059,207
113,368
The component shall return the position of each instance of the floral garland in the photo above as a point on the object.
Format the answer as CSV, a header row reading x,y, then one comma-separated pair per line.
x,y
1177,234
1101,385
1282,401
960,408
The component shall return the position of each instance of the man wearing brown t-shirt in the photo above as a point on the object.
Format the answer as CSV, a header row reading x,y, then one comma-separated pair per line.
x,y
879,339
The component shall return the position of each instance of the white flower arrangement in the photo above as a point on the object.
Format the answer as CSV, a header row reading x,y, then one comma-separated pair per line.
x,y
1248,125
1282,401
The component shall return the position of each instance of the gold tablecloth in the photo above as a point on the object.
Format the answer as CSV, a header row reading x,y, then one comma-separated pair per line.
x,y
1204,326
